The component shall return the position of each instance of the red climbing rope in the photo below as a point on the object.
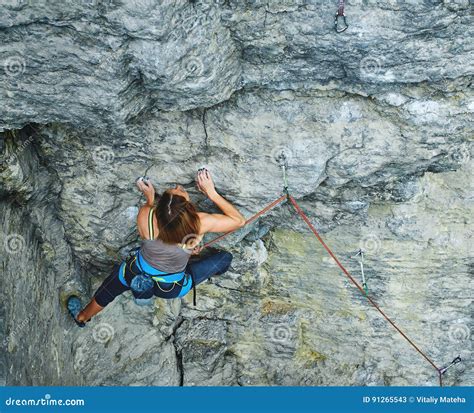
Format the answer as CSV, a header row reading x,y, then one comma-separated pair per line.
x,y
305,218
250,220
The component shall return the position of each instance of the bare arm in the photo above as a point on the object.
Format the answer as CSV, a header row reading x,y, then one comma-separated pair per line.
x,y
229,220
142,218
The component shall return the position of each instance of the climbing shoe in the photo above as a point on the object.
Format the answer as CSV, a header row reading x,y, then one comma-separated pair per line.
x,y
74,307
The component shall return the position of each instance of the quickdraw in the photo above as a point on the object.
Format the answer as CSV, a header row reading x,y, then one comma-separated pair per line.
x,y
340,13
361,262
454,362
283,163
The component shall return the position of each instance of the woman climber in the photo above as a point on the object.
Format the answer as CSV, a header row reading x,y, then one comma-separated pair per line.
x,y
171,230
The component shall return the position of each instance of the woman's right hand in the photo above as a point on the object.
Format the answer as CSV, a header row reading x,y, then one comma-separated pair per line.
x,y
205,183
148,191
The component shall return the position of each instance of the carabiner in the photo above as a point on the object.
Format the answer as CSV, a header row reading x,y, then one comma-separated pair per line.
x,y
455,361
336,21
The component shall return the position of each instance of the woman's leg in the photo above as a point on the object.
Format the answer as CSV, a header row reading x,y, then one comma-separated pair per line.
x,y
89,311
214,264
105,294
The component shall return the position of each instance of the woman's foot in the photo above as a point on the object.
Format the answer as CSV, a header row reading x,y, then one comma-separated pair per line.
x,y
74,307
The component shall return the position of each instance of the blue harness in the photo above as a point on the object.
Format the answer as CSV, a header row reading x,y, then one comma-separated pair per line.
x,y
181,278
178,278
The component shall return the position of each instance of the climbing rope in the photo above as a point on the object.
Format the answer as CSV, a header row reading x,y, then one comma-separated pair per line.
x,y
363,291
250,220
313,230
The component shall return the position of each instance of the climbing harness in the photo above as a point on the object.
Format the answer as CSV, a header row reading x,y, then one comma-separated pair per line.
x,y
300,212
361,262
340,13
149,276
145,279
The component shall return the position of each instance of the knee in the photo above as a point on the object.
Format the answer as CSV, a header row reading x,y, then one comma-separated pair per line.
x,y
225,261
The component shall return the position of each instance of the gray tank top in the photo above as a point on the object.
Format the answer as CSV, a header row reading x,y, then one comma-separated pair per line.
x,y
165,257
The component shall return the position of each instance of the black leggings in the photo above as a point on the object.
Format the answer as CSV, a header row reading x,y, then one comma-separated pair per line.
x,y
201,269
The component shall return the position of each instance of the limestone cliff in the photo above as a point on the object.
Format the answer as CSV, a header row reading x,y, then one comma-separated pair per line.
x,y
375,123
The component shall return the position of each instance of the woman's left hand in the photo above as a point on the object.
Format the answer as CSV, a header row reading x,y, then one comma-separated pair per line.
x,y
197,250
148,191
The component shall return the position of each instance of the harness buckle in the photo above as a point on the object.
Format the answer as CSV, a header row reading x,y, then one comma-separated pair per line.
x,y
336,20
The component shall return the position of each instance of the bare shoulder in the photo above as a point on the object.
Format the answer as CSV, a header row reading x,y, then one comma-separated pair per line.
x,y
204,221
142,222
143,213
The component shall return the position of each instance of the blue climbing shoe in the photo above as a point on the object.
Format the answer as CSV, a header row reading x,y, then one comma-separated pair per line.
x,y
74,307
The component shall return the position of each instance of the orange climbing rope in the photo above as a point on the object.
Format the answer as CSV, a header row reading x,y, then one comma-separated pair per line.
x,y
313,230
250,220
311,227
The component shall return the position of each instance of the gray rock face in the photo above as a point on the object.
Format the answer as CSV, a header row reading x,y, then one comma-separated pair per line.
x,y
376,127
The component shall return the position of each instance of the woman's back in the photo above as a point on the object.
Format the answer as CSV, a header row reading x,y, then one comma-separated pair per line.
x,y
165,257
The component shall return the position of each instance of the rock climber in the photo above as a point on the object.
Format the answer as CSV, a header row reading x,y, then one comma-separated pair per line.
x,y
171,230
